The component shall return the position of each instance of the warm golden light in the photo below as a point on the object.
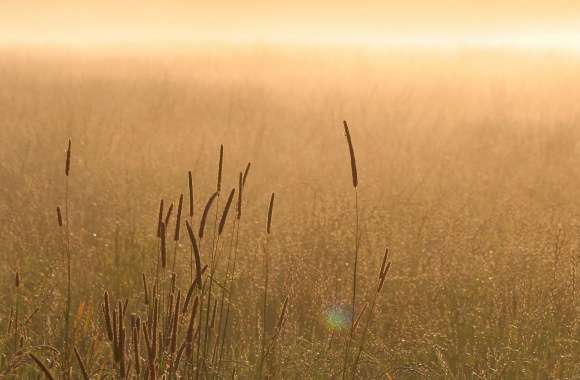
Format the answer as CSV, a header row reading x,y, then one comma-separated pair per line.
x,y
415,23
217,189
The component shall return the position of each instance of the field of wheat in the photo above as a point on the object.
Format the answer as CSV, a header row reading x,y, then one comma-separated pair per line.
x,y
207,214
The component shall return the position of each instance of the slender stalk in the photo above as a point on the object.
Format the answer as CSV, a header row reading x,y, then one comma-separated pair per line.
x,y
16,309
385,267
236,228
68,262
264,306
218,191
215,244
222,298
195,249
230,273
354,174
355,268
190,186
266,283
81,365
177,230
160,225
208,321
42,367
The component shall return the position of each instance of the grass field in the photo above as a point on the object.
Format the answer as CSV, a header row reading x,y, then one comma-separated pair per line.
x,y
468,166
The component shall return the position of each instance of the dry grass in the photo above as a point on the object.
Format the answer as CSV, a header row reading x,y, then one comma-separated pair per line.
x,y
468,171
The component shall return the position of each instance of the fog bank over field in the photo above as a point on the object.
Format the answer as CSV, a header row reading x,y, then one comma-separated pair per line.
x,y
467,167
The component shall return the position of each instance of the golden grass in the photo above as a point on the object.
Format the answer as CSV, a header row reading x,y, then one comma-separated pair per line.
x,y
468,169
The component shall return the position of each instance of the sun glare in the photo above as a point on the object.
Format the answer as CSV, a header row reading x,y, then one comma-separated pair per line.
x,y
524,41
532,40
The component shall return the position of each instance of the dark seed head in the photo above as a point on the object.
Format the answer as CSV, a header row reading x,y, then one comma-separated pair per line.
x,y
270,209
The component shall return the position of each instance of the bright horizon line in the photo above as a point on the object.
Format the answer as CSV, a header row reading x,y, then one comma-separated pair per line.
x,y
563,41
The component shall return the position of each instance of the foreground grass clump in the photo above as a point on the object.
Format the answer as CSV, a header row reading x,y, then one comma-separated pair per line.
x,y
165,331
470,183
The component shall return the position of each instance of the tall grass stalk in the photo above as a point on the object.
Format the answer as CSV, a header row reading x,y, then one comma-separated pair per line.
x,y
177,230
266,284
385,267
190,187
232,272
354,175
68,262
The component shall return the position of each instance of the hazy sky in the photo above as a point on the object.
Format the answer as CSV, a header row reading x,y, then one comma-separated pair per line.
x,y
299,20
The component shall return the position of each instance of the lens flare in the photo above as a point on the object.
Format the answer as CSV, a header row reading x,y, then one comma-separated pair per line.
x,y
338,317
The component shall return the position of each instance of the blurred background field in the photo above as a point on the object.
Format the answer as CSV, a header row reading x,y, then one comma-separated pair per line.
x,y
468,168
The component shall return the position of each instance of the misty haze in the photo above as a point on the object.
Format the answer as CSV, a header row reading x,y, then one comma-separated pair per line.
x,y
312,190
